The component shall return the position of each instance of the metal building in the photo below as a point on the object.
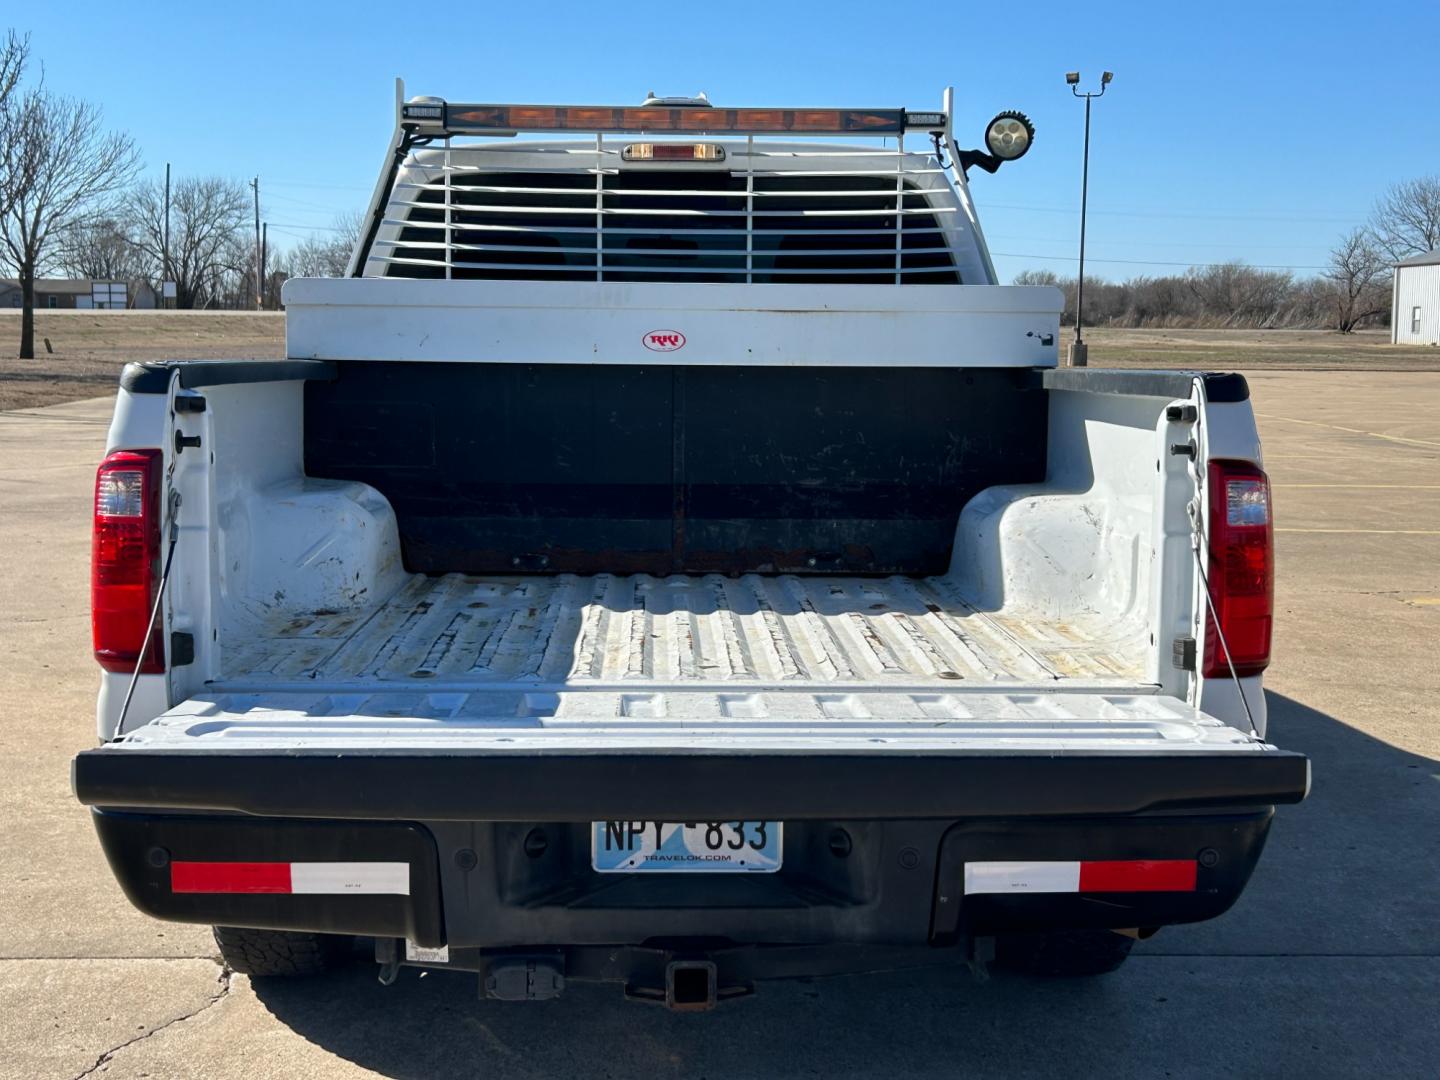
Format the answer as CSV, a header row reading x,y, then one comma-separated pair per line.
x,y
1415,318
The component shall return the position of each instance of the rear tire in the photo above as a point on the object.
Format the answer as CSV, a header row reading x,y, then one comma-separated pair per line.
x,y
1063,953
279,953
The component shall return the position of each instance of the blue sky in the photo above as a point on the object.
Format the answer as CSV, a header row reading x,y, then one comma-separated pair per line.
x,y
1258,131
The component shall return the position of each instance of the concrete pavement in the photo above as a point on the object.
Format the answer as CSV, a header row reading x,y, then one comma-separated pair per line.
x,y
1329,966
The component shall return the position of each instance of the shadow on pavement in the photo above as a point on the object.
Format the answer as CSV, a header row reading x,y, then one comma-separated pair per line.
x,y
1327,966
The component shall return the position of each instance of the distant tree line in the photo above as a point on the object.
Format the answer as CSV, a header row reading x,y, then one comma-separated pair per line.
x,y
1351,292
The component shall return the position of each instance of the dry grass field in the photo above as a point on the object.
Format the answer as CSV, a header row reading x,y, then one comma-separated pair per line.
x,y
1254,350
90,347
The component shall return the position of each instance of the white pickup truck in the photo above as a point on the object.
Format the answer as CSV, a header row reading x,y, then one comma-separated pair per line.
x,y
670,557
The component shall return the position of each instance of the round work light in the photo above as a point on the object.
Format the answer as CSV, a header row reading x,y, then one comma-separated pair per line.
x,y
1009,135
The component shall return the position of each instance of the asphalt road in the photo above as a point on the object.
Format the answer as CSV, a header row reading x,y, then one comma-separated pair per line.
x,y
1329,966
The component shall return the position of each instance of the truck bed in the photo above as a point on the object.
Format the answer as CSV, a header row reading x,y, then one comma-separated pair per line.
x,y
461,631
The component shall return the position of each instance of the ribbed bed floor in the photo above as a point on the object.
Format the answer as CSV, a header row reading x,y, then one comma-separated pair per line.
x,y
753,629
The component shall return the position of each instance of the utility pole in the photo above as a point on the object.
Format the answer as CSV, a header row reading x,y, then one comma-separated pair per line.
x,y
264,258
1079,353
165,246
259,269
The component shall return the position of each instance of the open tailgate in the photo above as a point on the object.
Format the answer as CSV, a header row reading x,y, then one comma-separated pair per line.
x,y
572,755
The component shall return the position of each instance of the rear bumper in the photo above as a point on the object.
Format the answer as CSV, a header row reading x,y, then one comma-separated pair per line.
x,y
483,888
789,786
492,850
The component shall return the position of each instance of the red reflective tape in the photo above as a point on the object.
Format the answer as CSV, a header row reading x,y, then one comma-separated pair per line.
x,y
230,877
1138,875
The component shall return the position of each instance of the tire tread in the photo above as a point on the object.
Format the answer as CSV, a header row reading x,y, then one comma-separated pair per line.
x,y
277,953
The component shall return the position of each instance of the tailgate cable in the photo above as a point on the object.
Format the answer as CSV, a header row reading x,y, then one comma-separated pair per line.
x,y
154,611
1196,538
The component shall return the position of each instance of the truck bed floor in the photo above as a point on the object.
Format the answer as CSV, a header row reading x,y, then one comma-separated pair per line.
x,y
466,629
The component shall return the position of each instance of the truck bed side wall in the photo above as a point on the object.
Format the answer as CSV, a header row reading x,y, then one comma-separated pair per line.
x,y
1105,534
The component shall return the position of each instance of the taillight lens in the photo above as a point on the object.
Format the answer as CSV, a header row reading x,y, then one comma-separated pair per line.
x,y
673,152
1241,569
124,559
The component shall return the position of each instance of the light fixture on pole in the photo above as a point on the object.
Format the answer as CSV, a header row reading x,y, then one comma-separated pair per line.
x,y
1078,353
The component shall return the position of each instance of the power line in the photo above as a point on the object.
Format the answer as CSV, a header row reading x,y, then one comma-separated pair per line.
x,y
326,187
302,202
310,228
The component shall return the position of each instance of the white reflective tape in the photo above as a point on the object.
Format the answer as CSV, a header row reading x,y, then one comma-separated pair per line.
x,y
1022,877
350,877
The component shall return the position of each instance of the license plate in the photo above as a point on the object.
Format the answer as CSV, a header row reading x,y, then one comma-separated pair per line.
x,y
673,847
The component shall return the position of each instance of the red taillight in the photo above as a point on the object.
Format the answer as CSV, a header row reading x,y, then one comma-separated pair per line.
x,y
124,570
1241,569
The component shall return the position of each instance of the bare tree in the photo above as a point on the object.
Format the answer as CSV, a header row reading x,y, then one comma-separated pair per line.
x,y
101,248
1406,220
275,279
207,214
1233,294
14,55
233,285
1357,281
1036,277
326,256
66,166
1219,295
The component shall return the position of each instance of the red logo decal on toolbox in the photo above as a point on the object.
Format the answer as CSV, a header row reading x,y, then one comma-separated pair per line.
x,y
664,340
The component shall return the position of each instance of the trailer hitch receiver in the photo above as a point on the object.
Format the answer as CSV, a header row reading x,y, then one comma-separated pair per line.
x,y
691,985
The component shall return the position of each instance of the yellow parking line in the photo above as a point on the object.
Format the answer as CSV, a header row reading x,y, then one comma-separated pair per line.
x,y
1352,431
1382,532
1312,423
1402,439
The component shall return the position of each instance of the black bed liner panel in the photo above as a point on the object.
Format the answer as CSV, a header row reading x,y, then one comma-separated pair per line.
x,y
595,468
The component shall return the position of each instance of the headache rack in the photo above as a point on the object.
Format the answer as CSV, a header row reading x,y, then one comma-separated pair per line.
x,y
601,194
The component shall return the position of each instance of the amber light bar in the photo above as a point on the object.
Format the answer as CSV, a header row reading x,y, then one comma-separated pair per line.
x,y
468,119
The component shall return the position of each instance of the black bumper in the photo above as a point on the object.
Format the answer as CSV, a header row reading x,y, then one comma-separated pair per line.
x,y
143,848
481,887
498,846
559,787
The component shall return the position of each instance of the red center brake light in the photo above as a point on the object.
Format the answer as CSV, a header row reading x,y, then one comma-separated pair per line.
x,y
124,570
1241,570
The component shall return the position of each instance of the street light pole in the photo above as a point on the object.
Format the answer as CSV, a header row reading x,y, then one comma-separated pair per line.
x,y
1079,352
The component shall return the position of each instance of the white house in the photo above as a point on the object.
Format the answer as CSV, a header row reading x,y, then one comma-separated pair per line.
x,y
1415,318
84,293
